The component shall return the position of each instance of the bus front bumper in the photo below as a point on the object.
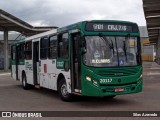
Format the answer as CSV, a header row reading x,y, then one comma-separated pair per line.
x,y
92,90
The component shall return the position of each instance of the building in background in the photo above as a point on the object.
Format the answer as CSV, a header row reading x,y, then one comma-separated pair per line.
x,y
148,49
152,16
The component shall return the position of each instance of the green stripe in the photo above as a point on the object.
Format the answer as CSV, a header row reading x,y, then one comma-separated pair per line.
x,y
21,62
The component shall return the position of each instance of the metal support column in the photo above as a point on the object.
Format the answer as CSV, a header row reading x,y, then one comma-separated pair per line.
x,y
158,49
6,50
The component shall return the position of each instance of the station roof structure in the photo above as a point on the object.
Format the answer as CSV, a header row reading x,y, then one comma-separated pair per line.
x,y
152,15
11,23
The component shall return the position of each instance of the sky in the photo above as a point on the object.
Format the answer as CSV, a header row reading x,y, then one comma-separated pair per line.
x,y
65,12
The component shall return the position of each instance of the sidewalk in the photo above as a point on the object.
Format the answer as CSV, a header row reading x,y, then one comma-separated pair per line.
x,y
150,64
3,72
151,69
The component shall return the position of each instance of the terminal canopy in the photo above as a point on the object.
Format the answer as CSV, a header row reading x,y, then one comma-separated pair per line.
x,y
11,23
152,15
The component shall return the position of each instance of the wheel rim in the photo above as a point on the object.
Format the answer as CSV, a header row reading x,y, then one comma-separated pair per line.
x,y
64,90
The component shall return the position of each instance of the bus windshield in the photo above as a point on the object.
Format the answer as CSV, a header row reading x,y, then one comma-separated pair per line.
x,y
111,51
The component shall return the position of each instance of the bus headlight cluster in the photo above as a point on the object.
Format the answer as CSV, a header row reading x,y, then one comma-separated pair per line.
x,y
88,78
93,81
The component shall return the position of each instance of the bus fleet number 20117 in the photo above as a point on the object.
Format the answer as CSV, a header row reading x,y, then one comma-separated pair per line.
x,y
105,80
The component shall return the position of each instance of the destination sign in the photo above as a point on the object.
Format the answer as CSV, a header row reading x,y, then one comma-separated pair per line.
x,y
113,27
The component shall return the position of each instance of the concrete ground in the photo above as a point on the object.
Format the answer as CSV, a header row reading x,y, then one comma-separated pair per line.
x,y
14,98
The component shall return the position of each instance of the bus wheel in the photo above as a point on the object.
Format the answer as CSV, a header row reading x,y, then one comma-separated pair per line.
x,y
62,90
24,82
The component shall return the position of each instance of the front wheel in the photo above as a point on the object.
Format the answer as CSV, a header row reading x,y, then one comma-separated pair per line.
x,y
62,90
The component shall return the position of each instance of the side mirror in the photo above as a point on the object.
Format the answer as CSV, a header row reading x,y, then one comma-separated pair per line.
x,y
82,42
83,50
83,45
66,65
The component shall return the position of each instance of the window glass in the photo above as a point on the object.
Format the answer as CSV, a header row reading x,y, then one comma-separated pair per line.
x,y
44,48
63,45
52,47
100,51
21,51
28,50
44,42
110,51
13,52
127,50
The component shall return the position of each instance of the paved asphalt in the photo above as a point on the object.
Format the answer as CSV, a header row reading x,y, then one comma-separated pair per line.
x,y
14,98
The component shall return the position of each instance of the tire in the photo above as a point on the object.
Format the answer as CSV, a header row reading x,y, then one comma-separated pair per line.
x,y
25,85
62,90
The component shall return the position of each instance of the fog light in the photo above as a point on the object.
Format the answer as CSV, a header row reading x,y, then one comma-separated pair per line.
x,y
88,78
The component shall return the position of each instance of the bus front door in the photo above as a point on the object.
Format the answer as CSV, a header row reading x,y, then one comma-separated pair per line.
x,y
35,62
75,62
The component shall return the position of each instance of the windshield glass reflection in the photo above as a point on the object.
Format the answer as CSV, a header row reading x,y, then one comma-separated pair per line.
x,y
110,51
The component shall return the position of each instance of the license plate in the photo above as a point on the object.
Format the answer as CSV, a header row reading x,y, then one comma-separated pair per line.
x,y
119,90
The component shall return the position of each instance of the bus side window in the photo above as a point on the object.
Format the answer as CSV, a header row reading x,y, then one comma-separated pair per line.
x,y
52,51
28,50
63,45
44,48
21,51
13,52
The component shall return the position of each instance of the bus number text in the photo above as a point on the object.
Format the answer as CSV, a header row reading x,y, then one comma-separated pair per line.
x,y
105,80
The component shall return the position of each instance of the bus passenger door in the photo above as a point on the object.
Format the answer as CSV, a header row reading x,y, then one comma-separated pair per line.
x,y
75,62
35,62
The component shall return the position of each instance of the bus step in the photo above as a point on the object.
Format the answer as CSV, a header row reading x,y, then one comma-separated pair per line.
x,y
75,93
77,90
37,86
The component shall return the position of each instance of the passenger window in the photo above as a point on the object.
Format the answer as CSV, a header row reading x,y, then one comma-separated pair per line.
x,y
28,50
13,52
52,47
44,48
63,45
21,51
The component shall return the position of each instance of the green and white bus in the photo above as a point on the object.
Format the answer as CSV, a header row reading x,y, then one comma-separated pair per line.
x,y
89,58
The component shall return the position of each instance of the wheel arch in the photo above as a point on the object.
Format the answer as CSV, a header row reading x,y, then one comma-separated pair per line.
x,y
59,78
23,73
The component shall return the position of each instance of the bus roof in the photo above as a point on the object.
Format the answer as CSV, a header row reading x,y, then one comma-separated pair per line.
x,y
70,27
41,35
77,25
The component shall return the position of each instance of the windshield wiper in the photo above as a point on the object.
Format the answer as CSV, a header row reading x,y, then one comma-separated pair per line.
x,y
124,48
110,45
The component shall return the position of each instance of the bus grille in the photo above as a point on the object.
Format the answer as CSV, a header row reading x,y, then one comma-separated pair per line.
x,y
118,72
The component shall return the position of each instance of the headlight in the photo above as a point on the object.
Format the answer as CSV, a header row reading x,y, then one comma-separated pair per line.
x,y
88,78
93,81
